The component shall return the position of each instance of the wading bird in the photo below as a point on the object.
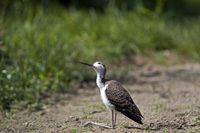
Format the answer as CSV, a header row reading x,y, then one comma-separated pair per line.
x,y
115,97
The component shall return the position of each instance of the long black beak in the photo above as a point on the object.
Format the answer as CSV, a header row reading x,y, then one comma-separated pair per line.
x,y
86,64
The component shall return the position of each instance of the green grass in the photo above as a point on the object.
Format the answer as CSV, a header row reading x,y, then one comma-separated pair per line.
x,y
39,49
197,121
101,107
10,115
64,125
147,128
85,114
196,98
156,107
74,131
123,125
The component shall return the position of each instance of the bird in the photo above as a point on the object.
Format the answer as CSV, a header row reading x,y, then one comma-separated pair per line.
x,y
115,97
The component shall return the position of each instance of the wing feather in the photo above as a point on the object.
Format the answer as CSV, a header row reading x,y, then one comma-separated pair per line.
x,y
120,98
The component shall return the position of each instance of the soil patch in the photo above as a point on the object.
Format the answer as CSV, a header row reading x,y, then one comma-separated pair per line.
x,y
168,97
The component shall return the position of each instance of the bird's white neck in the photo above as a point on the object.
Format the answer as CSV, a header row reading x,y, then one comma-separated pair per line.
x,y
100,80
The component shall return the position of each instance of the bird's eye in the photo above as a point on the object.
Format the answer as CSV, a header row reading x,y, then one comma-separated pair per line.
x,y
99,63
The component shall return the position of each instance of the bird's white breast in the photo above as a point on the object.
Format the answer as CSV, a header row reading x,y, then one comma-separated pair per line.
x,y
105,99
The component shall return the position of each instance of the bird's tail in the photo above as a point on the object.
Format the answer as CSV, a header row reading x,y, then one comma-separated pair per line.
x,y
135,117
132,113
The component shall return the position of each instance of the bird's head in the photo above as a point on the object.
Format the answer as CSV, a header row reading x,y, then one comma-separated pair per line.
x,y
99,67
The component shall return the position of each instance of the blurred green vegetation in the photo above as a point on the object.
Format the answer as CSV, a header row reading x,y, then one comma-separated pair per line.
x,y
41,45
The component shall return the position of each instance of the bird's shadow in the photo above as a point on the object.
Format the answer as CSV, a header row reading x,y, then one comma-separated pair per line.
x,y
143,128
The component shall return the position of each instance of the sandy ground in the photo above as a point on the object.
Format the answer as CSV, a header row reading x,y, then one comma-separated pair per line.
x,y
167,95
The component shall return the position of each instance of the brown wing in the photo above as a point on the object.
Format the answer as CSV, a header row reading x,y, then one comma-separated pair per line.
x,y
118,96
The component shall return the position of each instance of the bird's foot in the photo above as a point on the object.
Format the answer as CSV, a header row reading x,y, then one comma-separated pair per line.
x,y
99,124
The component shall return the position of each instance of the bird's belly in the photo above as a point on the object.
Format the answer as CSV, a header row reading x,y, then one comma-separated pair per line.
x,y
105,100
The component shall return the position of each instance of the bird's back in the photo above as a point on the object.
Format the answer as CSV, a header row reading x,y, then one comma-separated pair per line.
x,y
122,101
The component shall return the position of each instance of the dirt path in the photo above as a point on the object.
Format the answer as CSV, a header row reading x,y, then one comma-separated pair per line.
x,y
168,97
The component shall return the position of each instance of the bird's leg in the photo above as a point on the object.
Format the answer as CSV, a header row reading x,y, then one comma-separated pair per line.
x,y
114,115
115,119
98,124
